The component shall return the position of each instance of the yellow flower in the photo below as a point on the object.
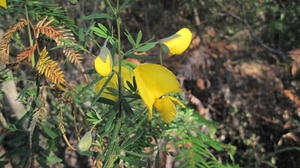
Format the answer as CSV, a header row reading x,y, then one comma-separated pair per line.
x,y
127,76
154,82
179,42
3,3
103,63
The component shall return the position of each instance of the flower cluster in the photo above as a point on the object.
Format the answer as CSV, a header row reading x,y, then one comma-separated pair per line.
x,y
154,82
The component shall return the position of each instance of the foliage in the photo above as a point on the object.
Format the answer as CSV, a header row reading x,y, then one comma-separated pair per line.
x,y
66,111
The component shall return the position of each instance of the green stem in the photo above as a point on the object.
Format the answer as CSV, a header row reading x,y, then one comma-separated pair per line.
x,y
160,57
109,158
29,34
119,55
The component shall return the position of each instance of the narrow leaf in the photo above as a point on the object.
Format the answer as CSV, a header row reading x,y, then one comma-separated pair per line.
x,y
97,16
141,57
133,161
130,39
54,159
139,37
146,47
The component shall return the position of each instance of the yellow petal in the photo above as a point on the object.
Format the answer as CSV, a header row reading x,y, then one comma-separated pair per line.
x,y
166,108
103,63
3,3
154,81
127,75
179,44
112,84
174,100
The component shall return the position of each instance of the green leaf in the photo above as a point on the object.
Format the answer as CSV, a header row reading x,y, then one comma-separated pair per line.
x,y
52,134
146,47
54,159
141,154
81,35
130,39
127,107
91,115
139,37
133,161
132,140
141,57
102,89
106,101
97,16
132,88
99,32
109,122
103,28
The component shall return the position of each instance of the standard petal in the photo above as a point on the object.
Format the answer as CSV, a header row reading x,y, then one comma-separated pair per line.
x,y
3,3
154,81
103,68
127,75
179,44
166,108
106,93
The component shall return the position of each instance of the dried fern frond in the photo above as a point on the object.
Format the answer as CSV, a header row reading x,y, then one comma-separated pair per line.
x,y
61,126
4,51
57,33
50,69
4,43
18,26
27,53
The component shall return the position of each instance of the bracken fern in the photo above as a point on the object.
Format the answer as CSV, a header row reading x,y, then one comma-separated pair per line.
x,y
50,69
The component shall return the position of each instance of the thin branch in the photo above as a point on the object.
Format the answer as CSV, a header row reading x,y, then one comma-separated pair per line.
x,y
277,52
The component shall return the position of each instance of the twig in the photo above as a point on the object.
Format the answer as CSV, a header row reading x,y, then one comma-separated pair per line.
x,y
277,52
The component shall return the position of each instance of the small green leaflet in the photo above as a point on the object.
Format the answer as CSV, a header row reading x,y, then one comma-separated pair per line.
x,y
54,159
146,47
97,16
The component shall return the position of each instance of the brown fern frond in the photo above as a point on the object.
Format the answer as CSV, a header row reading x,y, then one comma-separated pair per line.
x,y
27,53
57,33
18,26
73,56
50,69
4,51
4,43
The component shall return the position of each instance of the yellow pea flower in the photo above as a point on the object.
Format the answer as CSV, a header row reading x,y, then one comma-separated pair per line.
x,y
153,82
103,63
3,3
178,42
126,75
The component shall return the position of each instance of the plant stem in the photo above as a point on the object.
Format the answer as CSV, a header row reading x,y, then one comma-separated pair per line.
x,y
29,34
118,20
109,158
160,57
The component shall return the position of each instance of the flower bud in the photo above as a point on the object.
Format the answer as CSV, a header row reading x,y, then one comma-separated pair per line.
x,y
103,63
178,42
85,142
